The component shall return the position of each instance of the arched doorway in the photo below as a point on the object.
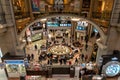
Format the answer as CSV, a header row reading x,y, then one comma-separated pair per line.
x,y
66,28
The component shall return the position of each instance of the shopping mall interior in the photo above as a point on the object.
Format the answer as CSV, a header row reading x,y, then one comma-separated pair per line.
x,y
59,39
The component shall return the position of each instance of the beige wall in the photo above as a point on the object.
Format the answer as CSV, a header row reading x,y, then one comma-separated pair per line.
x,y
7,41
114,34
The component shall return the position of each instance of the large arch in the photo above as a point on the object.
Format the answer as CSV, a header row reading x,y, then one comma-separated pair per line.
x,y
102,35
101,42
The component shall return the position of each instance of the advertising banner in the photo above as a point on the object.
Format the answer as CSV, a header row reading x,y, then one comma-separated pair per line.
x,y
42,6
35,5
58,4
77,5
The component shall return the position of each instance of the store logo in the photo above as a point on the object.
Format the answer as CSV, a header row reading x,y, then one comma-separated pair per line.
x,y
82,23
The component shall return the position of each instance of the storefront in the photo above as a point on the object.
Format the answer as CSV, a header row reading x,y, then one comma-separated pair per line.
x,y
15,68
14,65
59,29
81,30
34,32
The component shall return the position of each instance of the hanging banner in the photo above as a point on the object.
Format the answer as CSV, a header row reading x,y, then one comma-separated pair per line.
x,y
35,6
58,5
42,6
77,5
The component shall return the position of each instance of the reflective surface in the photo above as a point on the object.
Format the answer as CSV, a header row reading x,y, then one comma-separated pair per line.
x,y
113,70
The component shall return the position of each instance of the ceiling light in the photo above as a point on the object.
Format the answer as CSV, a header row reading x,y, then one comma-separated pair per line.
x,y
43,19
1,26
75,19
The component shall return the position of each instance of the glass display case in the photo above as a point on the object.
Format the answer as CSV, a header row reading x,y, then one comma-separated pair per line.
x,y
111,69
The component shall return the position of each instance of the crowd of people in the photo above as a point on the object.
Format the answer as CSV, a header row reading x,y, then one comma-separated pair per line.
x,y
61,59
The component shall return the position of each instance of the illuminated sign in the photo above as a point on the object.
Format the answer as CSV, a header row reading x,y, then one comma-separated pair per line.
x,y
80,28
95,30
82,23
52,24
112,70
66,25
14,61
114,59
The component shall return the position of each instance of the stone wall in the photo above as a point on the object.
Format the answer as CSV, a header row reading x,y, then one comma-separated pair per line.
x,y
114,34
8,37
115,13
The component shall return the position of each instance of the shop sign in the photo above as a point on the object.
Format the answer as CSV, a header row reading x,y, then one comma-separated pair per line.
x,y
14,61
82,23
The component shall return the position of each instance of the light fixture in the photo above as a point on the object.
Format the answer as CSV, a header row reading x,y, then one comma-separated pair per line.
x,y
75,19
43,19
1,26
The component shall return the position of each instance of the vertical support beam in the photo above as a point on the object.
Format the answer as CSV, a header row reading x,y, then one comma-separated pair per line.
x,y
14,22
81,1
102,50
31,14
91,8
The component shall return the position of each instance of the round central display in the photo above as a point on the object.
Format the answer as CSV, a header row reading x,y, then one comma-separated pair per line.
x,y
59,50
112,70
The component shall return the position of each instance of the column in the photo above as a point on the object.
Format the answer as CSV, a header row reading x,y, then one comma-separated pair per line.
x,y
30,9
8,39
91,8
102,50
81,1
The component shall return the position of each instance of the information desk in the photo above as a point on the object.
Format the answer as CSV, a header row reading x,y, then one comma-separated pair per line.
x,y
60,50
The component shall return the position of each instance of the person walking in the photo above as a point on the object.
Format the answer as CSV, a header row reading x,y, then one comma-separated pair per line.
x,y
35,47
40,59
76,61
32,56
82,57
48,62
70,62
28,57
60,60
